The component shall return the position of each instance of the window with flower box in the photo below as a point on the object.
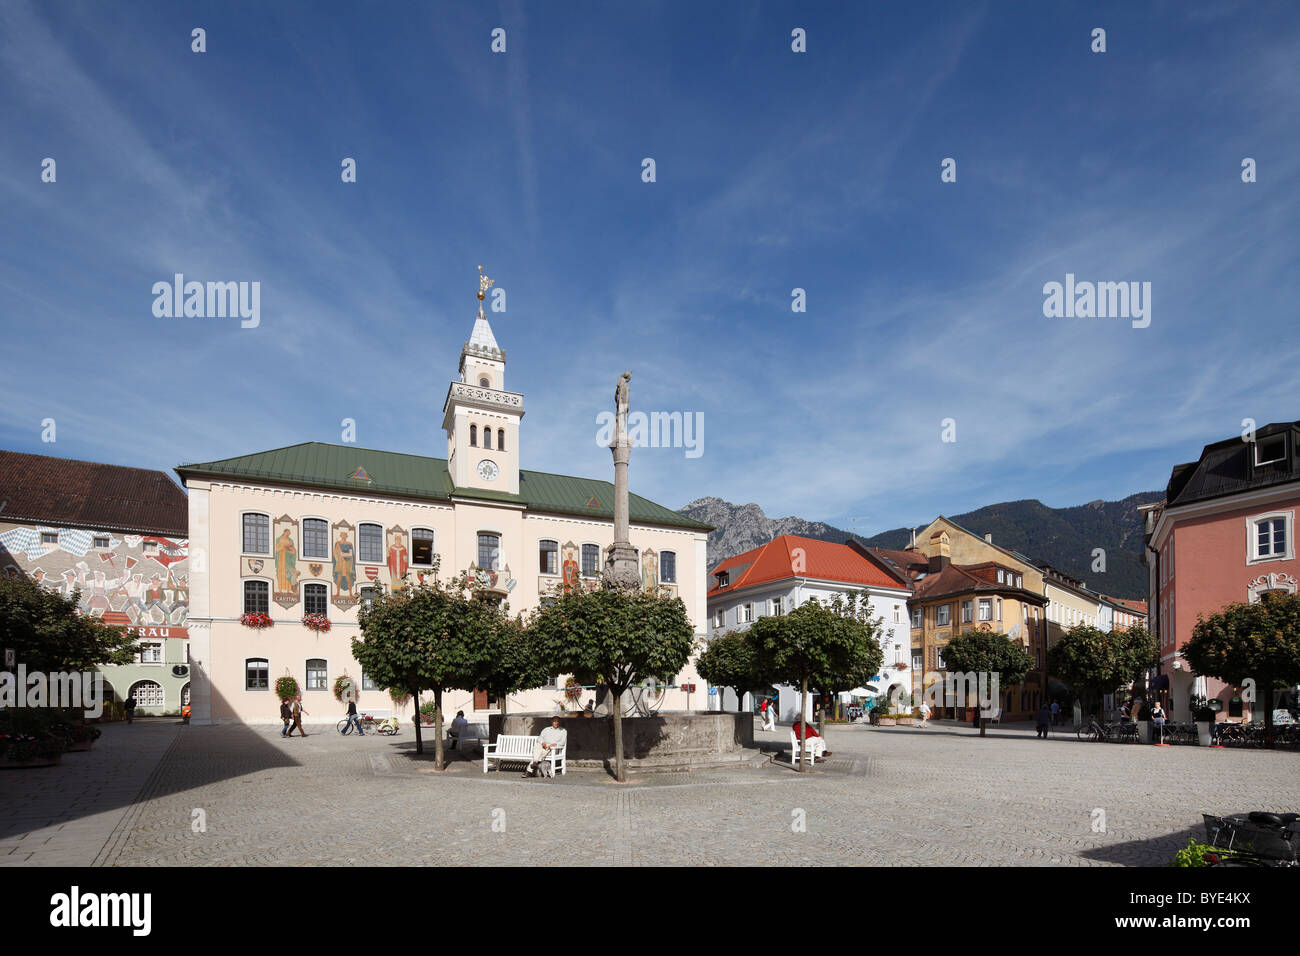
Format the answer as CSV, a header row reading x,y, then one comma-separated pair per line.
x,y
315,599
257,597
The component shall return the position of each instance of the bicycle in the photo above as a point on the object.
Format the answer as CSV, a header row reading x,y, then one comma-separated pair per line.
x,y
1253,839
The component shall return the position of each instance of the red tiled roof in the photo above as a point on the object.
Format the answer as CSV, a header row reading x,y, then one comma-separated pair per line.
x,y
87,494
1138,606
961,579
824,560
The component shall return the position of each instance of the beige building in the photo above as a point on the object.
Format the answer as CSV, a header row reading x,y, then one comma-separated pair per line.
x,y
313,528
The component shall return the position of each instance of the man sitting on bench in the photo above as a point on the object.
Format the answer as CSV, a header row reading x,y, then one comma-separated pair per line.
x,y
458,727
551,738
814,745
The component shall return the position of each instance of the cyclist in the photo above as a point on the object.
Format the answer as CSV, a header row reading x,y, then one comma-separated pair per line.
x,y
353,720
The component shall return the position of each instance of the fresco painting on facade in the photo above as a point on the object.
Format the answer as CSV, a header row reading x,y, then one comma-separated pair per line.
x,y
569,567
399,557
345,566
117,577
649,570
286,562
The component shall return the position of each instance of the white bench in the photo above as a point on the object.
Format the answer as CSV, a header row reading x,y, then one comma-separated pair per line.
x,y
516,747
814,747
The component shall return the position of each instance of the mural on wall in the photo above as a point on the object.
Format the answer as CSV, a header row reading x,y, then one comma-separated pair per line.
x,y
649,570
284,532
570,569
144,577
486,580
399,557
345,565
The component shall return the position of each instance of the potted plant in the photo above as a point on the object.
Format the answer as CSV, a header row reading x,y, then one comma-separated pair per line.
x,y
572,692
256,620
286,687
904,713
316,622
399,699
1204,713
21,749
343,684
427,710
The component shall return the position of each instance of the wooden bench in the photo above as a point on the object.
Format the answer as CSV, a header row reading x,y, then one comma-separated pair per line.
x,y
518,748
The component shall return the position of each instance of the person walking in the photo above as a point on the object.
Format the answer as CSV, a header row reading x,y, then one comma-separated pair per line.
x,y
129,704
925,713
1043,720
286,715
298,712
1056,712
768,710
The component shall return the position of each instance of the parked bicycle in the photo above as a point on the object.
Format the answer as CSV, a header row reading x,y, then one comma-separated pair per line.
x,y
1113,732
1253,839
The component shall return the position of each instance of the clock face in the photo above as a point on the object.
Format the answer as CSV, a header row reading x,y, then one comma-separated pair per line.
x,y
488,470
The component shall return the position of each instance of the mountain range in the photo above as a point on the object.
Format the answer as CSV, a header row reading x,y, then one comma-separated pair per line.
x,y
1062,537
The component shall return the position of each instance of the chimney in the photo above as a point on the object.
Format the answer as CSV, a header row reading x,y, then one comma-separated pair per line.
x,y
939,551
989,537
912,546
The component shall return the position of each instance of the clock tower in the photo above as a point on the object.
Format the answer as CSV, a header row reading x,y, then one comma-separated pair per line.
x,y
480,417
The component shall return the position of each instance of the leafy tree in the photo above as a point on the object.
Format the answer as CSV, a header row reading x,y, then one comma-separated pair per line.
x,y
623,637
730,660
826,646
49,634
427,636
1259,642
985,651
866,654
512,663
1095,662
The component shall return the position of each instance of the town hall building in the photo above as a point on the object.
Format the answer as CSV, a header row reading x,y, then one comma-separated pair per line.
x,y
316,528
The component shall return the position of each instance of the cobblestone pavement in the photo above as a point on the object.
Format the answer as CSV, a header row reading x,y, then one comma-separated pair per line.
x,y
885,797
67,815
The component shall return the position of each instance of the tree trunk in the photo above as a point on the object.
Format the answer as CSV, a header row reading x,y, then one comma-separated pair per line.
x,y
800,741
618,736
438,750
505,700
419,741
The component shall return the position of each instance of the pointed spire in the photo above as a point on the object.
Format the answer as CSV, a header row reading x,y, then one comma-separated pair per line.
x,y
482,340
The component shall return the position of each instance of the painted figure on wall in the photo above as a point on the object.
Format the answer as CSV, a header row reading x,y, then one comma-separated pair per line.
x,y
345,567
569,567
286,562
649,570
398,556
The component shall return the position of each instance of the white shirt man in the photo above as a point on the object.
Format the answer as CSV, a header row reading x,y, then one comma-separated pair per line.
x,y
458,727
552,738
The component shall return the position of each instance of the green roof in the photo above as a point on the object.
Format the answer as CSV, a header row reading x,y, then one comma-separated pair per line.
x,y
321,465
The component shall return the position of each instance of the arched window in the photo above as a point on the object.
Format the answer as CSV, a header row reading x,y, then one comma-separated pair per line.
x,y
185,695
473,436
667,567
315,538
317,677
548,557
487,438
257,597
148,693
315,599
484,381
257,674
501,439
370,544
257,534
489,551
421,547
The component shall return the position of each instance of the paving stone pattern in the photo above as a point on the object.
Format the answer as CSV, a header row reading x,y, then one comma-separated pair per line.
x,y
895,796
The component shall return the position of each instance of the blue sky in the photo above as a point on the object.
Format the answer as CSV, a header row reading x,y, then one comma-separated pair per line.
x,y
775,170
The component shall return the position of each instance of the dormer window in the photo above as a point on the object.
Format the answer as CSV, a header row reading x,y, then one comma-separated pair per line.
x,y
1271,449
724,578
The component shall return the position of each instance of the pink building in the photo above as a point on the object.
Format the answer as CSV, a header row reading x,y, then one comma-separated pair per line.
x,y
1224,533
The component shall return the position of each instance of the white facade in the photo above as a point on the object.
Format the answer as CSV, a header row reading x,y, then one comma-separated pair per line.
x,y
736,611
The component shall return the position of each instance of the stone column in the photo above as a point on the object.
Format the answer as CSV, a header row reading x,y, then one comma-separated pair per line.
x,y
622,569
